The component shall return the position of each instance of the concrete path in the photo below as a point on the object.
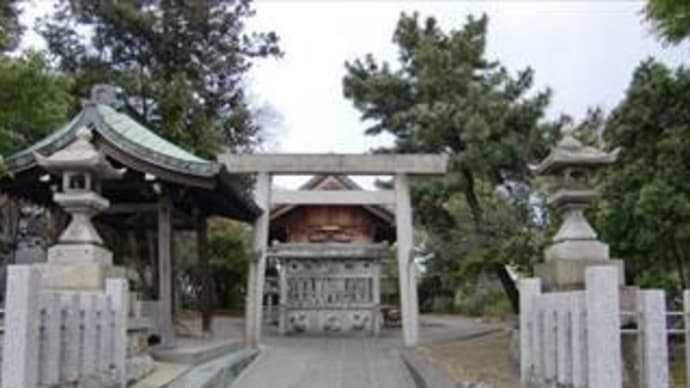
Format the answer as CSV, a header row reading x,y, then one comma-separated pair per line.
x,y
338,362
327,363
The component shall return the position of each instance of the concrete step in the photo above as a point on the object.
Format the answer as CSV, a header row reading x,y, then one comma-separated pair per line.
x,y
163,375
195,352
217,373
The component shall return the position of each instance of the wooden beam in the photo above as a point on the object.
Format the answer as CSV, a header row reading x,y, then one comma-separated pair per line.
x,y
346,164
332,197
206,294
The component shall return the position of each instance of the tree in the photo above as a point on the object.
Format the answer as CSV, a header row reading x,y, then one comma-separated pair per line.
x,y
445,96
33,101
180,63
670,19
229,257
645,205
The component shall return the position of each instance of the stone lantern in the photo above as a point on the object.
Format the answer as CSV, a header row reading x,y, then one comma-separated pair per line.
x,y
568,176
79,259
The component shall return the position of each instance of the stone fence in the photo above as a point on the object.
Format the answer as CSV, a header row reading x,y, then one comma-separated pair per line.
x,y
574,338
60,337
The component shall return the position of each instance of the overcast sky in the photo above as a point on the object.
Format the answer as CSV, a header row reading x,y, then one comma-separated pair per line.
x,y
584,51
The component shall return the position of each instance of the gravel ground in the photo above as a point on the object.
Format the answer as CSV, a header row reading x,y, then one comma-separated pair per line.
x,y
481,359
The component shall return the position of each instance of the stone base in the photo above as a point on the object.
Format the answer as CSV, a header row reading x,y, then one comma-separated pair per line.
x,y
62,254
331,321
560,275
577,250
79,276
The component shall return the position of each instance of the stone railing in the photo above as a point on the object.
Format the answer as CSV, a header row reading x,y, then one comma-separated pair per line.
x,y
574,338
58,337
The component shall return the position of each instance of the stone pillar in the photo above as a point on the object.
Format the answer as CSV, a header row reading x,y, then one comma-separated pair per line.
x,y
414,299
654,338
404,232
376,317
257,268
165,289
20,351
529,288
602,298
282,308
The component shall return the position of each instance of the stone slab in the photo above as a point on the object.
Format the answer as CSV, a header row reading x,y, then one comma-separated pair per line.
x,y
350,164
327,362
577,250
80,276
163,375
570,274
79,253
196,354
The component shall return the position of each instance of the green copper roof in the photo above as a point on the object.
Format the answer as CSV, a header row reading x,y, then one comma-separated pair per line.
x,y
137,133
125,133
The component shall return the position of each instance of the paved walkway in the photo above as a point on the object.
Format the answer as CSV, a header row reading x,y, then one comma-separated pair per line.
x,y
327,362
338,362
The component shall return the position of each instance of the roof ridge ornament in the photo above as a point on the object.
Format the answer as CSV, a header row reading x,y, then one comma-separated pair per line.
x,y
106,94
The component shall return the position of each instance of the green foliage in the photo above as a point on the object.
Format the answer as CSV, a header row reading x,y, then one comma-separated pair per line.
x,y
229,247
445,96
670,19
33,101
644,211
228,258
181,64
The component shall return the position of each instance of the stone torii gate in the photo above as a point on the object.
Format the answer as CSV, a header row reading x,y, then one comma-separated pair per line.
x,y
398,165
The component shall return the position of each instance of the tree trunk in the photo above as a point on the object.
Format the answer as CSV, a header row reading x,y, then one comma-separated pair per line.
x,y
509,287
205,294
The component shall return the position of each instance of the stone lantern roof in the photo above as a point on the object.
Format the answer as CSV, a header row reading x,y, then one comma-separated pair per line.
x,y
570,152
80,156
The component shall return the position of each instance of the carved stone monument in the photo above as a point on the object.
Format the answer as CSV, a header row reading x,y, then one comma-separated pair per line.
x,y
568,173
80,260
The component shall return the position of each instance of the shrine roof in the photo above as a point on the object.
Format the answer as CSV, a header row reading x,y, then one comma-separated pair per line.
x,y
123,131
335,182
143,153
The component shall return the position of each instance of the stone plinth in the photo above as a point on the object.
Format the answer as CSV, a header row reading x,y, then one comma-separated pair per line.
x,y
64,254
79,276
576,250
567,274
79,266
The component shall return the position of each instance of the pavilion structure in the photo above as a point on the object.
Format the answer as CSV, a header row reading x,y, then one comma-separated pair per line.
x,y
400,166
161,187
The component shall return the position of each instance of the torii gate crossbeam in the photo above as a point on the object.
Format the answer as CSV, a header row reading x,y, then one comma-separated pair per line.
x,y
398,165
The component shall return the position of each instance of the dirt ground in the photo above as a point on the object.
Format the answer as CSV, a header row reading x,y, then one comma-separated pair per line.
x,y
485,359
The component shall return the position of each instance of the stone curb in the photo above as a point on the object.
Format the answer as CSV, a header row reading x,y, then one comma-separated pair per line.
x,y
261,353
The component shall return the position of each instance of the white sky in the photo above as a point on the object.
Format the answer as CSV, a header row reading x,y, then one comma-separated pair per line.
x,y
585,51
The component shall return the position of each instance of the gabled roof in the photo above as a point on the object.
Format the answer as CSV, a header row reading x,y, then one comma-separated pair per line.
x,y
139,149
335,182
126,133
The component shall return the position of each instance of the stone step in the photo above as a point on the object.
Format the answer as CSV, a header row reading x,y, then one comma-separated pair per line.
x,y
195,352
216,373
